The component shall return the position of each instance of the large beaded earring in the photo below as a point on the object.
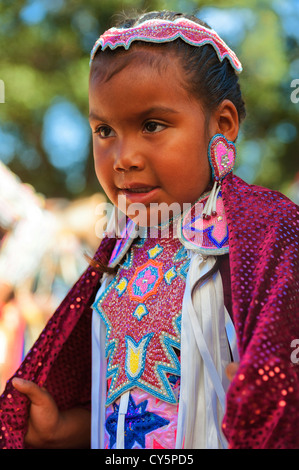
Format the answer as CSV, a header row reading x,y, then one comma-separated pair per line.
x,y
222,156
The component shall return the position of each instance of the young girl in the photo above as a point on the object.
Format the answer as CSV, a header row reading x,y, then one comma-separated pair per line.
x,y
165,109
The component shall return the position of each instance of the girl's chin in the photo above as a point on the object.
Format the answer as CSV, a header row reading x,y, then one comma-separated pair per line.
x,y
148,213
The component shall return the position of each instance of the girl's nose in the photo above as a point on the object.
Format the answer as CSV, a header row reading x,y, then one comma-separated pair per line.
x,y
128,156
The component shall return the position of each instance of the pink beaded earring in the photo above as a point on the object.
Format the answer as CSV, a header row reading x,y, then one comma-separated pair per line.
x,y
222,156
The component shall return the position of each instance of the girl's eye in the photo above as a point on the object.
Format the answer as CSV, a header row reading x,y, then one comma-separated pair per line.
x,y
152,127
104,132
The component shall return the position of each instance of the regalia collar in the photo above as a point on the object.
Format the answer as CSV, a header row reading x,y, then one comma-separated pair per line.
x,y
204,235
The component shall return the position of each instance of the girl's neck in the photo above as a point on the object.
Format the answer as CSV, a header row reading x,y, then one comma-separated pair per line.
x,y
166,229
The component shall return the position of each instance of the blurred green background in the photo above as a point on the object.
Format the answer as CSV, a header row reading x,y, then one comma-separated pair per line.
x,y
44,65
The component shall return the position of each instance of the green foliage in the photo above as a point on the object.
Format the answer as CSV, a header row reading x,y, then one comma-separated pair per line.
x,y
47,60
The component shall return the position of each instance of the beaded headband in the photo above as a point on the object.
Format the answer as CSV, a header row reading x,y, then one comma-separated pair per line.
x,y
161,31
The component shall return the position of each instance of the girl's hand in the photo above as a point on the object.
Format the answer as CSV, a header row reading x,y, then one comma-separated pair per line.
x,y
49,428
44,417
231,370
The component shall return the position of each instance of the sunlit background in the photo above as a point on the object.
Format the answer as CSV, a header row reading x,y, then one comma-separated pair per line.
x,y
45,139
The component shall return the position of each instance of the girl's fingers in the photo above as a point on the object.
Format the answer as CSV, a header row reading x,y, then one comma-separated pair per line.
x,y
231,370
36,395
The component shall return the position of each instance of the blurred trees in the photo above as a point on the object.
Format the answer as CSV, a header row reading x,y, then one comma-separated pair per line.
x,y
44,64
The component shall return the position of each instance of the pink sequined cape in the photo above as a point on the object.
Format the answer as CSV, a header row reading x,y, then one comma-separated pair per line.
x,y
263,399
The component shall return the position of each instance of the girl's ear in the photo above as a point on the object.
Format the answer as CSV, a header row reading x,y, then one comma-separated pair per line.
x,y
226,120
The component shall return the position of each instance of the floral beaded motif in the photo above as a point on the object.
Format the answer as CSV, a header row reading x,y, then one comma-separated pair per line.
x,y
145,281
143,328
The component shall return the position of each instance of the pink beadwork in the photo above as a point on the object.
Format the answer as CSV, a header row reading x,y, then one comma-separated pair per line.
x,y
161,437
222,155
145,281
124,241
161,31
141,333
208,236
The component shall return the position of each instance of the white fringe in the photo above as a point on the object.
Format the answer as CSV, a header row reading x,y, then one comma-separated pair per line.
x,y
210,207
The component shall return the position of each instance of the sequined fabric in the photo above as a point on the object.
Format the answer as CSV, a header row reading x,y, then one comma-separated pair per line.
x,y
263,399
59,360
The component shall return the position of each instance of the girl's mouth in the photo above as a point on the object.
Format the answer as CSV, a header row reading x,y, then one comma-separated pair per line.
x,y
146,189
139,194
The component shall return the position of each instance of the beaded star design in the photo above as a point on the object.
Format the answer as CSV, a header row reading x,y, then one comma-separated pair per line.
x,y
143,327
138,423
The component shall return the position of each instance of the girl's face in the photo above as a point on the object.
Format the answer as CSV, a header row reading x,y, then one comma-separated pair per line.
x,y
149,137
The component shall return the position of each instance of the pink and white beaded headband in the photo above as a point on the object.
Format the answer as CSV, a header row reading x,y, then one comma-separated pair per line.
x,y
161,31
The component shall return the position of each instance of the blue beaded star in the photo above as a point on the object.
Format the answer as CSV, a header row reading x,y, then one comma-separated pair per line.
x,y
138,423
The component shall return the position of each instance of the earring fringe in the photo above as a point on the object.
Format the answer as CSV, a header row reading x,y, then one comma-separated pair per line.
x,y
210,207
